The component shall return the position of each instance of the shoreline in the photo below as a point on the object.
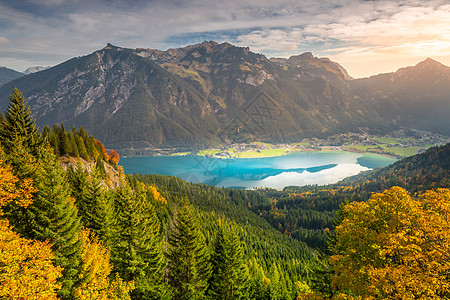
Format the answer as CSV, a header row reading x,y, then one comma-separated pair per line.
x,y
352,150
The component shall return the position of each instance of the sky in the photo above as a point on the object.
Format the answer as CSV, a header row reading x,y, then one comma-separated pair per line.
x,y
366,37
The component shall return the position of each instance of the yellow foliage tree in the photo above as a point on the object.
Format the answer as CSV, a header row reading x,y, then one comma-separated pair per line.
x,y
156,195
11,189
395,247
26,269
96,270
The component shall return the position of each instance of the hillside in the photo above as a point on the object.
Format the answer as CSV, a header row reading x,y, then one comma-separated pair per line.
x,y
6,75
304,212
198,95
54,197
211,94
417,96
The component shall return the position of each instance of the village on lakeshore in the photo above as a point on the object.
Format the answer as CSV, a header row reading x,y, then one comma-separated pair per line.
x,y
401,143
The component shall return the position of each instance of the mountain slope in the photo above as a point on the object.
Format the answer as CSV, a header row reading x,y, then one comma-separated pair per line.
x,y
417,96
202,94
211,94
308,66
7,75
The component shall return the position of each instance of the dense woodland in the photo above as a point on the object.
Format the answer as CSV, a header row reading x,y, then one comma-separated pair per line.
x,y
66,234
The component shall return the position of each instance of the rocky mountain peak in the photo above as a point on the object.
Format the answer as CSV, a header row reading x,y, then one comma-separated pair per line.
x,y
304,56
430,63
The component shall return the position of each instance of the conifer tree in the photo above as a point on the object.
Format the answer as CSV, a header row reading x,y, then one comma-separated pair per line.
x,y
101,217
64,143
19,123
188,256
137,251
259,282
82,148
230,276
52,215
73,145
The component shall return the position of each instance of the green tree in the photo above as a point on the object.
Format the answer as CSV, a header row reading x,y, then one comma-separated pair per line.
x,y
64,142
82,148
19,123
54,216
230,275
188,255
137,251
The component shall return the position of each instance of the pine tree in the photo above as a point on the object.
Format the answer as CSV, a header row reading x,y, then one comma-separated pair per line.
x,y
73,145
101,217
188,256
230,275
19,123
64,143
53,216
259,282
137,249
82,148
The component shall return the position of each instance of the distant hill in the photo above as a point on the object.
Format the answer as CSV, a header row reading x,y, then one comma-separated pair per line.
x,y
210,94
6,75
304,212
417,96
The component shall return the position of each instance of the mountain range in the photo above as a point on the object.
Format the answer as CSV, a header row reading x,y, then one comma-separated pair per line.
x,y
6,75
211,94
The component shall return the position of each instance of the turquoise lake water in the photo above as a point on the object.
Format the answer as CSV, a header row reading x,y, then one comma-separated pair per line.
x,y
299,168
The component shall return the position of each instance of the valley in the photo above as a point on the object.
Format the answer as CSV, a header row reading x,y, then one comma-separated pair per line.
x,y
399,144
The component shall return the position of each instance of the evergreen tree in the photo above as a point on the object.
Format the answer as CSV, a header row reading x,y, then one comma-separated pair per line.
x,y
230,276
259,282
54,216
188,256
73,145
18,122
64,143
82,148
137,250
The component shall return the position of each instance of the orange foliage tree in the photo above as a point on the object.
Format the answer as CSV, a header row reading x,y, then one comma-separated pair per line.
x,y
114,157
105,155
395,246
26,269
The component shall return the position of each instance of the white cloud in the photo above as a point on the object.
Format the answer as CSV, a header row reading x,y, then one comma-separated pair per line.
x,y
364,31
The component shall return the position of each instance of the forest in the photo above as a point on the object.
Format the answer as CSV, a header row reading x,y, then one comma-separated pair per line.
x,y
69,233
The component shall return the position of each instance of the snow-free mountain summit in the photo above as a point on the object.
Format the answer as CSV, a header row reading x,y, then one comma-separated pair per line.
x,y
213,93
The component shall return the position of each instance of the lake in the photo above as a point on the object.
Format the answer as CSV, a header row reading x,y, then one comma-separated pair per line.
x,y
298,168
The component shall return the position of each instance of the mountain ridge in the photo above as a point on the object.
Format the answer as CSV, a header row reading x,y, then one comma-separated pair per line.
x,y
208,94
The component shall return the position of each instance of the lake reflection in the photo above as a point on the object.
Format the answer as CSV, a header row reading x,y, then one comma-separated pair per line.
x,y
299,168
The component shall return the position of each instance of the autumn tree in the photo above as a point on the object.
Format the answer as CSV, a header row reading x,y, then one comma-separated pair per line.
x,y
395,246
95,279
26,266
114,157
